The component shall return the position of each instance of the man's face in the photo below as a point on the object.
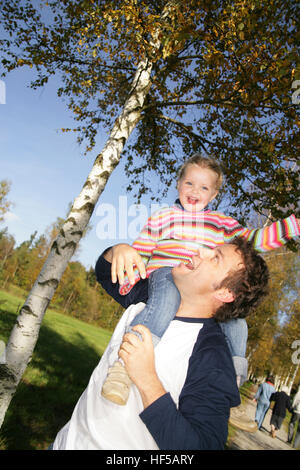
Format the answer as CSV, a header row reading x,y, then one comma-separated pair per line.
x,y
207,269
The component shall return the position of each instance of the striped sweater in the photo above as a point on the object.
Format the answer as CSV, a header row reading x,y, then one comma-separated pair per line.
x,y
172,235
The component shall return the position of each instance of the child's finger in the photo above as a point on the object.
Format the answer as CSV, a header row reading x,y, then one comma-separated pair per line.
x,y
113,271
130,272
141,267
120,272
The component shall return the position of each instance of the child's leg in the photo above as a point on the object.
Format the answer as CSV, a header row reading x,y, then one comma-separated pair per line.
x,y
162,305
236,334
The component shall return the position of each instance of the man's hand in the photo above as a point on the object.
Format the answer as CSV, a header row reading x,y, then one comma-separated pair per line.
x,y
138,357
123,258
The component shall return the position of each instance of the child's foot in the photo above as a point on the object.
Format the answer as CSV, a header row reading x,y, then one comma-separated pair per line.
x,y
126,287
117,384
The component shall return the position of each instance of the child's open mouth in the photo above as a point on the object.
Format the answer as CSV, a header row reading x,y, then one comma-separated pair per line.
x,y
192,200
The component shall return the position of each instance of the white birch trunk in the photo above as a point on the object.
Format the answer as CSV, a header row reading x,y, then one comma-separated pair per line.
x,y
26,330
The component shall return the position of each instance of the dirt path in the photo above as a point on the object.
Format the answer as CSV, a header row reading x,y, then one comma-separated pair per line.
x,y
261,439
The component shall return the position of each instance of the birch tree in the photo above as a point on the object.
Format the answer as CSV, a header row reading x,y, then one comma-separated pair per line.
x,y
25,332
210,75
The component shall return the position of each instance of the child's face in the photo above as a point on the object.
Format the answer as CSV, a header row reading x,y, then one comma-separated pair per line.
x,y
197,187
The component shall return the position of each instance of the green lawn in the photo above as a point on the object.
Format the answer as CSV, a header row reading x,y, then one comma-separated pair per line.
x,y
66,353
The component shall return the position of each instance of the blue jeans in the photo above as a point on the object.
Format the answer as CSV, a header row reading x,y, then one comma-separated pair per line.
x,y
261,410
162,306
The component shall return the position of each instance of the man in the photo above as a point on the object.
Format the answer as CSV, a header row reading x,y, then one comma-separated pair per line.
x,y
183,391
282,403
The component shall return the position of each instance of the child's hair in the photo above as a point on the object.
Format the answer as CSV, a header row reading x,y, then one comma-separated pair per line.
x,y
203,162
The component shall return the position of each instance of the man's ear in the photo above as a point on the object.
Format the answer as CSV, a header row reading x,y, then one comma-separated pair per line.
x,y
224,295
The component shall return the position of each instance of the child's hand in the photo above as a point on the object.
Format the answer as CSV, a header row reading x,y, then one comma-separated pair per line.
x,y
124,257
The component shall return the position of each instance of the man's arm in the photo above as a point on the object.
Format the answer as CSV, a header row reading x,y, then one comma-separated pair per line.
x,y
103,270
201,419
138,357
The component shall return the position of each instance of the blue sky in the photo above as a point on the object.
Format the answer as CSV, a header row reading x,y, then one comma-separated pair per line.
x,y
36,157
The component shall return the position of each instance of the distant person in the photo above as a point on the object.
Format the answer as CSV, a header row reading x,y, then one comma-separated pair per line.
x,y
295,418
282,403
262,397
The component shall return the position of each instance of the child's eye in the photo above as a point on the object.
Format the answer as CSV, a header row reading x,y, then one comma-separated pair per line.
x,y
188,182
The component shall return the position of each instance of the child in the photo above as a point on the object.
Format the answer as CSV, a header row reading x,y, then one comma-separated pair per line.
x,y
173,235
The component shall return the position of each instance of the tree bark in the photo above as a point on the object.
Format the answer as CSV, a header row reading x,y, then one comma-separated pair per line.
x,y
25,332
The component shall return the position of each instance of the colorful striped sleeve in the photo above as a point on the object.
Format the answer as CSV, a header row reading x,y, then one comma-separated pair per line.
x,y
267,238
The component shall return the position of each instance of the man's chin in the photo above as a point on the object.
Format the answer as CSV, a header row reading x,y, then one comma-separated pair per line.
x,y
174,272
177,270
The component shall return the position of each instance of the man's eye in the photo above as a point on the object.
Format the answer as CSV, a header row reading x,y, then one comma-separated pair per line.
x,y
204,188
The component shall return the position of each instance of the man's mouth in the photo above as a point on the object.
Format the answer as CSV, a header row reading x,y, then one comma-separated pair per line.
x,y
190,265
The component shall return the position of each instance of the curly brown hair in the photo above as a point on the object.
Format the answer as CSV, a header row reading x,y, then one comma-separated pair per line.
x,y
249,285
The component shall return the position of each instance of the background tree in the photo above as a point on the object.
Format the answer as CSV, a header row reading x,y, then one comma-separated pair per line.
x,y
7,243
214,75
275,324
5,205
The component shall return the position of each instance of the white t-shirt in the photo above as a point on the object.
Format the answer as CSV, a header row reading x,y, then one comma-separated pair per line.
x,y
96,423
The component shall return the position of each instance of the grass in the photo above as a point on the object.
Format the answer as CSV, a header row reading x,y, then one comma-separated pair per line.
x,y
66,353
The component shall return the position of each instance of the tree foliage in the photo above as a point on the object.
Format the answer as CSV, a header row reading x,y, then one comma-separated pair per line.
x,y
221,83
5,204
275,325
